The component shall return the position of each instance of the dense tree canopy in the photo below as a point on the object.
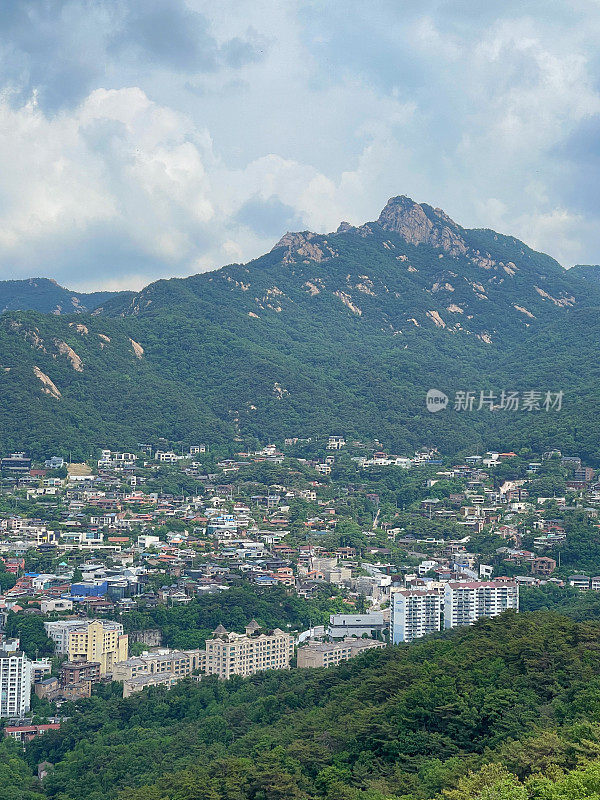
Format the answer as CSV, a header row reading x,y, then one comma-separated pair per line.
x,y
509,708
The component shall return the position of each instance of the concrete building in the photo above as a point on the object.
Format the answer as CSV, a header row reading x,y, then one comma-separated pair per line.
x,y
161,662
152,637
343,625
230,654
72,672
101,641
415,613
467,601
543,565
15,683
25,733
142,682
581,582
48,604
326,654
40,669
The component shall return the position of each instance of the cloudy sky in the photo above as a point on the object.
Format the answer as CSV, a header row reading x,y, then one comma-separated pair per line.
x,y
149,138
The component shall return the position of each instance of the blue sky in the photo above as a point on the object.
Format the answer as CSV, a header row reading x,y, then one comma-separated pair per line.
x,y
148,138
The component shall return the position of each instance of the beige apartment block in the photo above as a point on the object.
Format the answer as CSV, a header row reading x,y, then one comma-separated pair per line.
x,y
161,662
230,654
324,654
142,682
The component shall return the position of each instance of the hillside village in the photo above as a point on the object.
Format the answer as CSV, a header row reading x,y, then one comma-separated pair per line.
x,y
148,567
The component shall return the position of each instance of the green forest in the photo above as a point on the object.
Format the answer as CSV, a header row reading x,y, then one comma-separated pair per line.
x,y
508,708
346,342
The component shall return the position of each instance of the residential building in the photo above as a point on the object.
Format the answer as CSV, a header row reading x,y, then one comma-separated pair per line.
x,y
326,654
543,565
101,641
344,625
48,604
78,671
40,668
25,733
142,682
467,601
581,582
15,683
415,613
230,654
176,662
56,462
16,462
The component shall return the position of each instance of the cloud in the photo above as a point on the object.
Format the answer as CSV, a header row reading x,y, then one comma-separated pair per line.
x,y
168,32
267,217
150,138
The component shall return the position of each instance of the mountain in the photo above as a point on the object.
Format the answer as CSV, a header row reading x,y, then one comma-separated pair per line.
x,y
341,332
414,258
43,294
589,272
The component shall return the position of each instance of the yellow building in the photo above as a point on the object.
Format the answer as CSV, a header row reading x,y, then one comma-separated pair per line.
x,y
101,641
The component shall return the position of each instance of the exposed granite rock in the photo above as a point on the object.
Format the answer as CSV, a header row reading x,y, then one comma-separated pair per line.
x,y
402,215
301,245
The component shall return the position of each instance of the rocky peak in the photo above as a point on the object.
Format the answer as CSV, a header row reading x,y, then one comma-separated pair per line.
x,y
300,245
420,224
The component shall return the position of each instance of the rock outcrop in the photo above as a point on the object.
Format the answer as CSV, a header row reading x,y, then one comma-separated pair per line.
x,y
422,225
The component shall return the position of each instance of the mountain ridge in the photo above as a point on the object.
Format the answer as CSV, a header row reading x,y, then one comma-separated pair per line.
x,y
344,331
48,296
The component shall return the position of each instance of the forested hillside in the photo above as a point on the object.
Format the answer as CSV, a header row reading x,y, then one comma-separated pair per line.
x,y
42,294
589,272
343,332
509,708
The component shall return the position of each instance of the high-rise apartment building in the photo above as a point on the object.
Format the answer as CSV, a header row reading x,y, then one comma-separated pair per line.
x,y
15,683
414,613
467,601
100,641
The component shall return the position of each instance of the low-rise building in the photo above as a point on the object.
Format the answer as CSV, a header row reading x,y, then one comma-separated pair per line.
x,y
25,733
132,685
72,672
344,625
543,565
327,654
161,662
581,582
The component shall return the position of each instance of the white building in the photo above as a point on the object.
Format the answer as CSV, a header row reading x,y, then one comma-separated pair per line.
x,y
15,684
415,613
110,459
167,457
467,601
50,604
344,625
